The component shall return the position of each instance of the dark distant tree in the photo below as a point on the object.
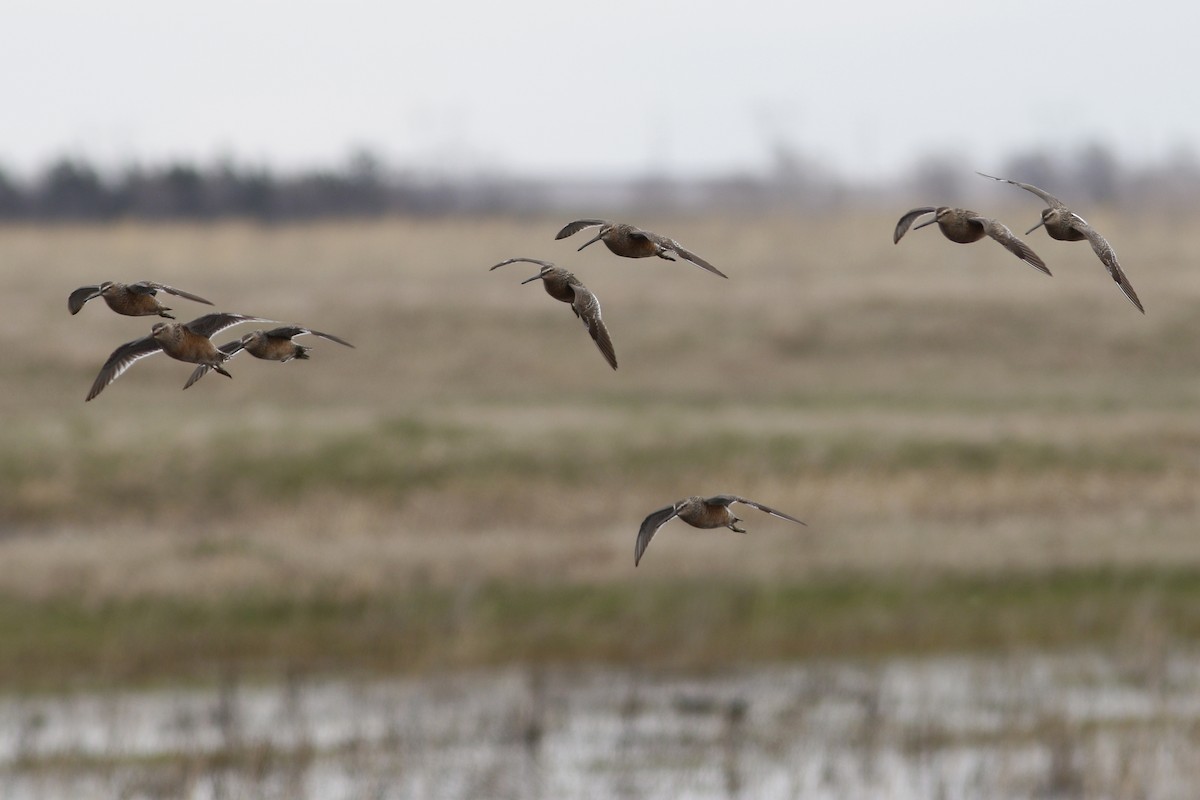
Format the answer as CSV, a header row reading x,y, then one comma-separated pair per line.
x,y
366,172
250,193
12,199
72,189
125,192
938,178
1097,174
183,192
1037,168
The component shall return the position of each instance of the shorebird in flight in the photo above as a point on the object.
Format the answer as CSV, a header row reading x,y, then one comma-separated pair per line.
x,y
630,242
1065,225
561,284
130,299
963,226
699,512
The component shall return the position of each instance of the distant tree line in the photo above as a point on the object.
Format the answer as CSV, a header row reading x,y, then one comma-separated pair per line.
x,y
73,189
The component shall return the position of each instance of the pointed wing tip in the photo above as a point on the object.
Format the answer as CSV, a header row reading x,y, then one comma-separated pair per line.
x,y
715,271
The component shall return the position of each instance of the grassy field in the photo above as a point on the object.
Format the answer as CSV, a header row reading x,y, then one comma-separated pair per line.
x,y
466,484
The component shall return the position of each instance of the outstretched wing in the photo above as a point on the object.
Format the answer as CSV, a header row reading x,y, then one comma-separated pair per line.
x,y
288,331
122,359
211,324
229,348
726,499
572,228
1109,258
684,253
587,308
650,526
1000,232
150,287
80,296
908,219
1050,199
537,261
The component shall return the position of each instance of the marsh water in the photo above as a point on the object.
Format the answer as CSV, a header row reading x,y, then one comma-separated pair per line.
x,y
1065,725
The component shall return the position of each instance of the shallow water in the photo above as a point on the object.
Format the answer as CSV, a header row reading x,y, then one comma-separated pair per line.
x,y
1078,725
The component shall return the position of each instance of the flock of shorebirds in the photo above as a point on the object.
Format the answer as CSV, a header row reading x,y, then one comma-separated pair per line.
x,y
192,341
185,341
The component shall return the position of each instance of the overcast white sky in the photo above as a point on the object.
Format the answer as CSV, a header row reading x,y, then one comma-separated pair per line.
x,y
550,87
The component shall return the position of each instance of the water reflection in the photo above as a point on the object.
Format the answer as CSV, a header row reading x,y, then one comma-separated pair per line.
x,y
1059,726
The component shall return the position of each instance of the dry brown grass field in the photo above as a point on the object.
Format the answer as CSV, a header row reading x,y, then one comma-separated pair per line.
x,y
931,410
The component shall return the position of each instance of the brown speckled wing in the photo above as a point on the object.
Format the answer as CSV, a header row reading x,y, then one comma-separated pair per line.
x,y
181,293
686,254
80,296
774,512
650,526
122,359
1108,257
1050,199
1000,232
907,220
210,325
587,308
288,331
572,228
537,261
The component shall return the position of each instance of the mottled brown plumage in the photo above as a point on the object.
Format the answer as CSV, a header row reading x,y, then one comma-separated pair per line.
x,y
131,299
1065,225
187,341
562,285
272,345
630,242
699,512
963,226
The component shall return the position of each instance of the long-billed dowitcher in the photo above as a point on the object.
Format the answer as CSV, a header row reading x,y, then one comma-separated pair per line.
x,y
626,240
272,345
561,284
963,226
130,299
699,512
1065,225
185,341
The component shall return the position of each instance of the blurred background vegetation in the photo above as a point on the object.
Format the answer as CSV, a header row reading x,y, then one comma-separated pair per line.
x,y
365,184
465,486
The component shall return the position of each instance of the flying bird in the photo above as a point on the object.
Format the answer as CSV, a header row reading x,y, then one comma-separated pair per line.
x,y
963,226
630,242
1065,225
186,341
131,299
272,345
699,512
561,284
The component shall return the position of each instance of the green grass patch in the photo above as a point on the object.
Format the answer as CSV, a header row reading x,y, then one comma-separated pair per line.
x,y
680,624
388,460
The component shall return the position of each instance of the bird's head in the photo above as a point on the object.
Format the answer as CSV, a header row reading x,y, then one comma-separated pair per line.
x,y
543,273
605,230
1049,215
942,213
